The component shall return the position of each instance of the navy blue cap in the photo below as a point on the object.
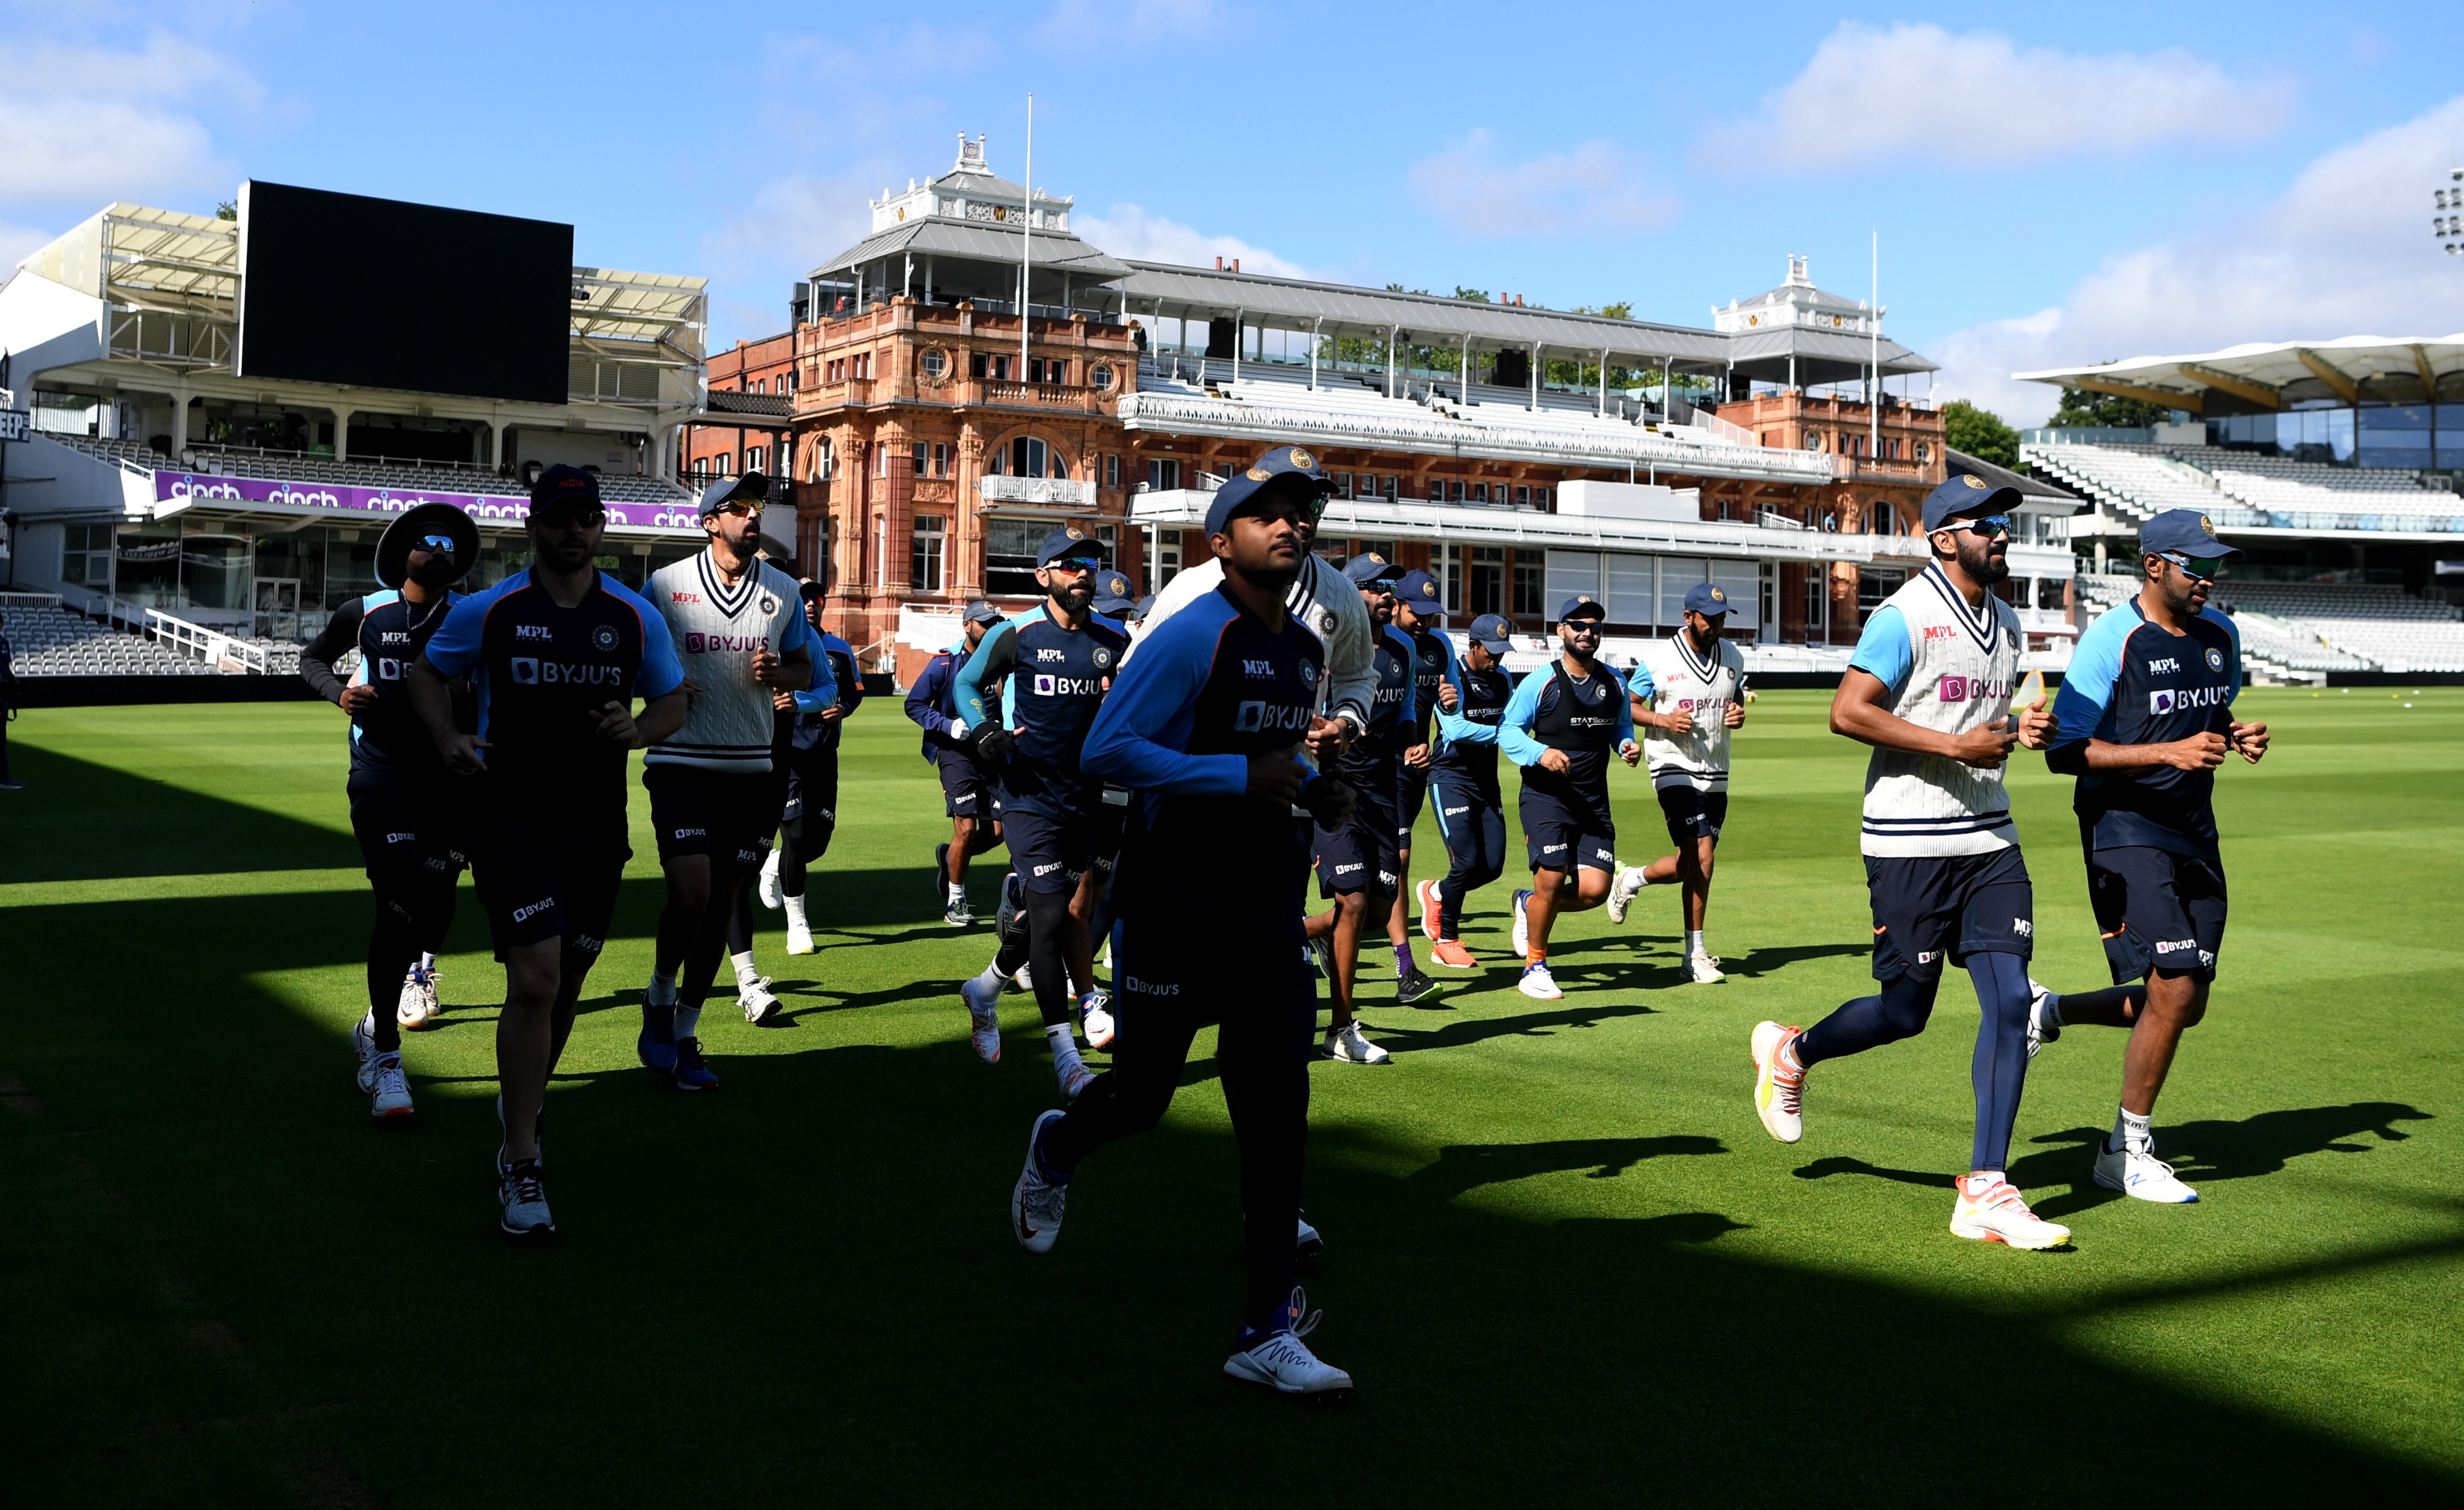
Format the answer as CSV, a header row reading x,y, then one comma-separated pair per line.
x,y
1418,591
1112,593
980,612
1142,607
751,488
2186,532
1494,632
1966,493
1270,470
1582,605
560,484
808,590
1706,599
1069,540
1369,568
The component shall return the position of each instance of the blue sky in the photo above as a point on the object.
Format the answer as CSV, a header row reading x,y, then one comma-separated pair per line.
x,y
2049,184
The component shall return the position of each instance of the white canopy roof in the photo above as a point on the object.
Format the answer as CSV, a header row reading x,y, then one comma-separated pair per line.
x,y
2277,375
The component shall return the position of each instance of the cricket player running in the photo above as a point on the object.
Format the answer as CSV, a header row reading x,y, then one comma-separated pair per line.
x,y
1929,688
2145,718
1688,695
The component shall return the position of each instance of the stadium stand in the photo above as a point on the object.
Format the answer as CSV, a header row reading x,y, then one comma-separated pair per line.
x,y
2308,629
2244,489
50,640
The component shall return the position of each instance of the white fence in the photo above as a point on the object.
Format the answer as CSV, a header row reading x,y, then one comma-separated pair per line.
x,y
212,647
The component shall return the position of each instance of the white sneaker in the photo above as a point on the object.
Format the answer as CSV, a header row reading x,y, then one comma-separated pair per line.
x,y
1284,1364
1036,1204
1307,1242
1779,1092
417,1008
2139,1174
364,1043
759,1003
389,1091
1622,890
1075,1078
958,915
1345,1044
521,1199
2039,1031
1538,984
1703,969
800,936
983,1017
770,894
1522,924
1022,981
1096,1019
1989,1211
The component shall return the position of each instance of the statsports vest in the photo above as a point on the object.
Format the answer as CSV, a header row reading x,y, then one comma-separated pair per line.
x,y
1579,717
717,629
1684,681
1964,663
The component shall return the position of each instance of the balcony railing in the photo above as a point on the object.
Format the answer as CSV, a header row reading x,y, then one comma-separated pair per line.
x,y
1064,492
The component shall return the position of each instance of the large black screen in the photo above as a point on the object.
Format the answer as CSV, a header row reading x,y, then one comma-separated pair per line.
x,y
378,294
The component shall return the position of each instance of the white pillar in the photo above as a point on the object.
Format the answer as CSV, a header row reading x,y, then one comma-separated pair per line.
x,y
1604,382
342,434
179,422
1239,339
1391,331
1462,374
1313,328
1534,376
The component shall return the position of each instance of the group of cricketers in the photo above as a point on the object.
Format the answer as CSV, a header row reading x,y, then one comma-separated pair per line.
x,y
1169,773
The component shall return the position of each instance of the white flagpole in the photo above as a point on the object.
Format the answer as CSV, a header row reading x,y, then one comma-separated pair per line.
x,y
1026,244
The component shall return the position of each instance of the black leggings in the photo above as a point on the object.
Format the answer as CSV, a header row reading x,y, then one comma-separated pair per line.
x,y
794,835
1047,928
1266,1008
413,910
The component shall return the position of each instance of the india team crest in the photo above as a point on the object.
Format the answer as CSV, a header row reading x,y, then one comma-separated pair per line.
x,y
1972,480
2204,525
603,637
1303,459
1717,595
769,604
2216,659
1103,658
1309,672
1325,626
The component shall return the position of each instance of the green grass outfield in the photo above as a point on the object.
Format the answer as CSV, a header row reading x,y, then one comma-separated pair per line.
x,y
1564,1262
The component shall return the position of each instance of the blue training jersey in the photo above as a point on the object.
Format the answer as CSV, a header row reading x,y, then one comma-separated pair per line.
x,y
2136,683
1373,762
542,675
1209,688
1057,677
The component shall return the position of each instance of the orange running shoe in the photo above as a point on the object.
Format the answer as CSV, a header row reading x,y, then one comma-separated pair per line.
x,y
1451,954
1430,907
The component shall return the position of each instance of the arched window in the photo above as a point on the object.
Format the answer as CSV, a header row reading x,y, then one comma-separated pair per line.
x,y
1028,456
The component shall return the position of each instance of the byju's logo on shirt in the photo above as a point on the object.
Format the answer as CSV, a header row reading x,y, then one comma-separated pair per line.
x,y
1258,716
2165,700
529,673
1968,689
1047,685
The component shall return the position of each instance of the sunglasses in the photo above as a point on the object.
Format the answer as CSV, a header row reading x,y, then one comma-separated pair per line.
x,y
746,509
1987,527
435,542
1579,626
2202,568
570,516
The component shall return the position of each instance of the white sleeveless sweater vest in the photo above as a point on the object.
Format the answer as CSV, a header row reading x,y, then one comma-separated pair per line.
x,y
1966,663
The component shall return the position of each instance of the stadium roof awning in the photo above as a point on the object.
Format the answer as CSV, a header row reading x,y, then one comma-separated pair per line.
x,y
2278,375
1821,356
961,242
1424,319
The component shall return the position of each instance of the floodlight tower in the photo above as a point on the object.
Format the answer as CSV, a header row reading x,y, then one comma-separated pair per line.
x,y
2449,226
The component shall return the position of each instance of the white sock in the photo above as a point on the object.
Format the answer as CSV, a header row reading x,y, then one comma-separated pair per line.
x,y
745,974
957,894
795,911
427,963
1694,943
992,979
688,1021
1641,877
2130,1130
1064,1050
662,992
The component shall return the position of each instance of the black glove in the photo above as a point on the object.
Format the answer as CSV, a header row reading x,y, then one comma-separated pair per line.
x,y
1328,800
994,744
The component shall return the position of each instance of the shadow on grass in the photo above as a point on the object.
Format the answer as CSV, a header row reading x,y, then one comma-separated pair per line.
x,y
205,1241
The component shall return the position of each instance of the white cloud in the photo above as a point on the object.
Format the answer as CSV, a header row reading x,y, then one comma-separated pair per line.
x,y
1130,231
1916,91
1598,185
82,126
2346,250
1135,21
794,221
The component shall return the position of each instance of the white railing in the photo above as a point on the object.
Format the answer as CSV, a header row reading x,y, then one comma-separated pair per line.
x,y
1734,434
17,600
1061,490
212,647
